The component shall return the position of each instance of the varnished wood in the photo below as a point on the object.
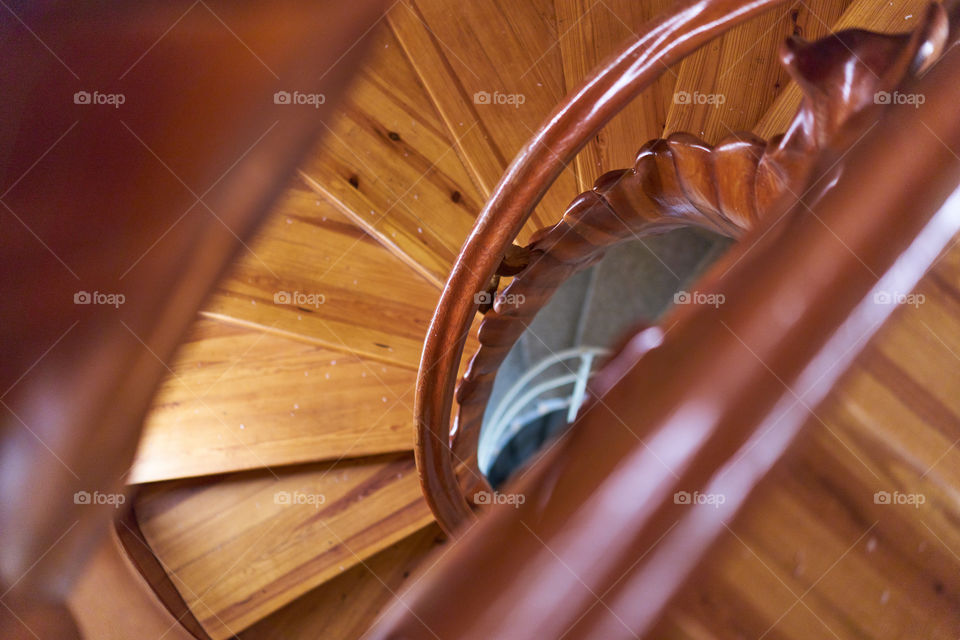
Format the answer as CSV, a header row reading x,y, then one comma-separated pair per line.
x,y
661,43
113,601
488,49
391,166
150,200
357,296
890,425
237,552
896,15
346,606
242,399
589,33
722,378
727,85
129,541
684,181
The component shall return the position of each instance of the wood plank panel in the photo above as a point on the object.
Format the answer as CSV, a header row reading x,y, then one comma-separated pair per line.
x,y
820,550
241,399
389,163
888,17
348,605
486,49
368,302
589,32
239,547
742,68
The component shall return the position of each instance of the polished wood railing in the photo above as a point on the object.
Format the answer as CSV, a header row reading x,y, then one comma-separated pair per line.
x,y
136,172
662,43
680,181
600,544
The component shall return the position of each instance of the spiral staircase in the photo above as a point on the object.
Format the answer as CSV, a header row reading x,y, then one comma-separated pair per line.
x,y
275,485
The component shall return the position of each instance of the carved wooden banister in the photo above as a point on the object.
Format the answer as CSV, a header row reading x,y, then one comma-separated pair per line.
x,y
680,181
713,406
661,43
683,181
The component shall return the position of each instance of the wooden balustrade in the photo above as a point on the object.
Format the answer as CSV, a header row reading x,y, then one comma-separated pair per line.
x,y
661,43
712,405
683,181
680,181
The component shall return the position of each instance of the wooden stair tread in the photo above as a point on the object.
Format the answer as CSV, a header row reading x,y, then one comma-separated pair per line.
x,y
510,48
743,67
815,527
861,14
389,163
239,547
372,303
590,32
346,606
239,399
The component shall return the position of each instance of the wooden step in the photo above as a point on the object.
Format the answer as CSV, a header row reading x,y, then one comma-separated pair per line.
x,y
239,399
346,606
475,52
589,32
894,16
312,274
389,163
239,547
742,70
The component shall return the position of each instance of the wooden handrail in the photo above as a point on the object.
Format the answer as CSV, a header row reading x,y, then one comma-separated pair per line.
x,y
661,43
681,181
722,398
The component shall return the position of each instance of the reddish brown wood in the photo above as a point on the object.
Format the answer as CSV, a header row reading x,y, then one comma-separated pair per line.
x,y
112,600
728,389
148,198
133,544
660,44
683,181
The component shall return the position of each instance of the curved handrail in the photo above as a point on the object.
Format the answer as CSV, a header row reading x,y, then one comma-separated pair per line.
x,y
728,390
662,42
683,181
